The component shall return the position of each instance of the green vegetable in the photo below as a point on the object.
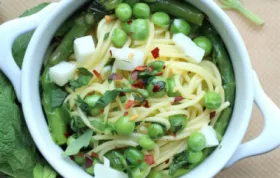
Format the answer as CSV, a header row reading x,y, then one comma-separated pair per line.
x,y
155,131
179,9
196,141
157,86
117,160
170,87
195,157
130,2
79,159
178,162
127,26
70,140
91,101
98,124
90,169
124,126
141,10
119,38
238,6
223,121
123,11
109,5
154,174
138,172
79,143
77,124
204,43
180,26
157,68
161,19
140,29
178,123
106,36
212,100
40,171
58,97
133,157
146,142
84,78
157,65
180,172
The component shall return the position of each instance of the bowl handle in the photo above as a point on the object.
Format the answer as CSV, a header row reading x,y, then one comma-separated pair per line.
x,y
269,138
9,31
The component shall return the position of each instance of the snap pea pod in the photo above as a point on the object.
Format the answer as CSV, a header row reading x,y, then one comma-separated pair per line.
x,y
179,10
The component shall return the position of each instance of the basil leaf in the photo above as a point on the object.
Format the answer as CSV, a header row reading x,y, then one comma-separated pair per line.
x,y
84,79
106,36
179,160
58,97
77,145
83,105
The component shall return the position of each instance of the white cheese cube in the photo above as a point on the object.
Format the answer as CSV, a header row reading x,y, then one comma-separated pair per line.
x,y
84,48
104,171
127,59
62,73
210,135
190,49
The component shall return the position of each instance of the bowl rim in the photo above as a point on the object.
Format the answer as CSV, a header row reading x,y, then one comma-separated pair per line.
x,y
33,111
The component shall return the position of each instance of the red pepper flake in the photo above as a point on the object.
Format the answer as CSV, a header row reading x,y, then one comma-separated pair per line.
x,y
94,155
125,113
111,53
67,134
156,88
115,76
149,159
129,22
178,99
141,68
167,161
102,110
134,75
164,67
81,154
129,104
174,135
139,84
97,74
122,94
212,114
88,162
146,104
159,74
155,53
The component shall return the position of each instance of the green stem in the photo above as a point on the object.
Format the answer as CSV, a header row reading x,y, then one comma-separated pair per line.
x,y
250,15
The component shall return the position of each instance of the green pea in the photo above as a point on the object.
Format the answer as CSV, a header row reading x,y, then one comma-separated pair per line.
x,y
90,169
177,122
123,11
195,157
154,174
133,157
79,159
170,87
196,141
161,19
212,100
131,2
70,140
155,131
127,26
204,43
140,29
140,171
141,10
124,126
117,160
146,142
92,99
180,26
95,112
119,38
157,65
157,87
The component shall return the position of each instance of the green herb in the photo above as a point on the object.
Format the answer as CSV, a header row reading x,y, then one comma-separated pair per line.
x,y
238,6
83,105
179,160
79,143
110,62
58,97
98,125
43,172
77,125
84,79
106,36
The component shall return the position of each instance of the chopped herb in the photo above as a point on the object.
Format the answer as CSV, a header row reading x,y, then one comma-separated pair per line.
x,y
179,160
84,79
106,36
83,105
98,125
58,97
110,62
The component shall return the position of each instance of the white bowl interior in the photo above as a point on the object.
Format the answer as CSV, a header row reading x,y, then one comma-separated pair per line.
x,y
36,120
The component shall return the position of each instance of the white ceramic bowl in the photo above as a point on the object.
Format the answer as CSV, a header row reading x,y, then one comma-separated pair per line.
x,y
26,83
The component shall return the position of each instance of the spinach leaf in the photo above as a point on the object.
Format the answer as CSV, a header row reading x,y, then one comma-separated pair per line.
x,y
77,145
43,172
179,160
58,97
84,79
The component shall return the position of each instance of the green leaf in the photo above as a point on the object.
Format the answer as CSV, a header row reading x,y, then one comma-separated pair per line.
x,y
84,79
78,144
43,172
83,105
179,160
58,97
106,36
98,125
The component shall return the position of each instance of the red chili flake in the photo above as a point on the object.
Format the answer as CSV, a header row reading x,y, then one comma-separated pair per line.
x,y
129,104
111,53
122,94
125,113
88,162
156,88
95,155
81,154
167,161
174,135
164,67
115,77
97,74
212,114
129,22
139,84
141,68
155,52
178,99
149,159
102,110
67,134
159,74
146,104
134,75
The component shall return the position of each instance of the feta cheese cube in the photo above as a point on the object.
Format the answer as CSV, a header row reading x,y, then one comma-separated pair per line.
x,y
84,48
104,170
210,135
62,73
